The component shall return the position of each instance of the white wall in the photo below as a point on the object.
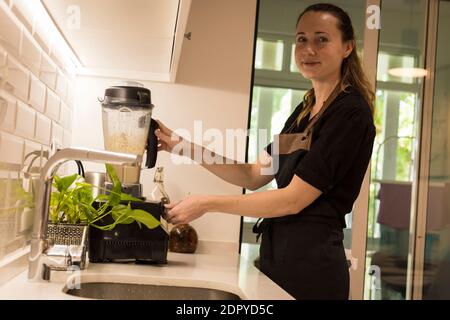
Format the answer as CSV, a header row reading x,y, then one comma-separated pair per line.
x,y
212,86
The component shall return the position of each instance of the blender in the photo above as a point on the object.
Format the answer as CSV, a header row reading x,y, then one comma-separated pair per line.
x,y
129,128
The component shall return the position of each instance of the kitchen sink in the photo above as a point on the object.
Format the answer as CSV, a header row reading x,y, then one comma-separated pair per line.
x,y
131,291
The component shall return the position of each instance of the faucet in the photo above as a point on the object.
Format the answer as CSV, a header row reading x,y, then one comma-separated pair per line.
x,y
44,255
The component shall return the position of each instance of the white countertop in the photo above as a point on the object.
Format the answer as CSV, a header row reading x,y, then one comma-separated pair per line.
x,y
228,272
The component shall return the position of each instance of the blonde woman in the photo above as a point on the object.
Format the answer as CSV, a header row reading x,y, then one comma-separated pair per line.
x,y
323,152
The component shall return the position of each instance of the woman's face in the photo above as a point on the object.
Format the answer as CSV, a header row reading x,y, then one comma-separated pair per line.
x,y
319,49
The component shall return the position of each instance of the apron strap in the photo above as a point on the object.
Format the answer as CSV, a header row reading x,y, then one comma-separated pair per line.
x,y
261,226
325,106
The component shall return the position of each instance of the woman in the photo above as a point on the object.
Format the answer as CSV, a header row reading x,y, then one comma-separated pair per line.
x,y
323,152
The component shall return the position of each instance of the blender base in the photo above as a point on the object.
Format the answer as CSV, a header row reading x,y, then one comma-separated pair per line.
x,y
130,242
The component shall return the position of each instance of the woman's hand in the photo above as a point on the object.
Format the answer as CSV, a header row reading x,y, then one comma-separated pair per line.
x,y
167,139
186,210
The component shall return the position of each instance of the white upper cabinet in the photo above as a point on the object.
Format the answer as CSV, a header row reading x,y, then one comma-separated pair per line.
x,y
127,39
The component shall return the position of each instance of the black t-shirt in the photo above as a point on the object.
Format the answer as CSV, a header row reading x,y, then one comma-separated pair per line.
x,y
340,152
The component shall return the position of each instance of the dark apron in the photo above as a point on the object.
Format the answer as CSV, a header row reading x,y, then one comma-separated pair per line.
x,y
305,258
303,254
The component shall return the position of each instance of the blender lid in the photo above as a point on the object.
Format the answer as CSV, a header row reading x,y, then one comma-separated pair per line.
x,y
127,95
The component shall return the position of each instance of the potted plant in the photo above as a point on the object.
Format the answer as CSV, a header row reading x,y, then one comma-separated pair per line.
x,y
73,208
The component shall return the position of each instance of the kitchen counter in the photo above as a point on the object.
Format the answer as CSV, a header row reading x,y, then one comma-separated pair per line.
x,y
229,272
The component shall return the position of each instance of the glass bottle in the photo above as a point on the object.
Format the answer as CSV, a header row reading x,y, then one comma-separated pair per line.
x,y
183,239
159,194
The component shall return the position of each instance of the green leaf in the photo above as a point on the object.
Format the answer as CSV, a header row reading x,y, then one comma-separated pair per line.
x,y
121,214
117,211
62,184
84,184
101,198
112,174
145,218
114,196
127,197
56,182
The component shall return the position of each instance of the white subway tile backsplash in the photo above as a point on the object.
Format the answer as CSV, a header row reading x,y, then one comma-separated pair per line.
x,y
2,63
48,72
58,58
11,149
43,35
67,139
9,31
17,79
61,58
61,86
57,133
43,129
53,105
8,112
25,220
32,87
30,53
25,120
66,117
28,156
24,13
37,94
70,94
42,38
3,111
45,150
7,225
2,57
64,169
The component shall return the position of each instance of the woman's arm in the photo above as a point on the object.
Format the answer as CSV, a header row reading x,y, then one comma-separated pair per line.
x,y
274,203
246,175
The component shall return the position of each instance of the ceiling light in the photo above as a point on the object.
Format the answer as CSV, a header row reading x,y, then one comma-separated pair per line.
x,y
408,72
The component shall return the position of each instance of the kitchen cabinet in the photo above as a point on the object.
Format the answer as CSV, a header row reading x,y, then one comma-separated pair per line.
x,y
139,39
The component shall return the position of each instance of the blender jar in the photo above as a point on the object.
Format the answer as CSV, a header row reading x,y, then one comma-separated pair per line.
x,y
125,128
126,116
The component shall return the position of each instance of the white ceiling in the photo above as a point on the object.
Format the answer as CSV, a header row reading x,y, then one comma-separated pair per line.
x,y
119,38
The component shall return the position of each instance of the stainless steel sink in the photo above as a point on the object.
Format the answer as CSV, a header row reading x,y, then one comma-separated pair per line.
x,y
131,291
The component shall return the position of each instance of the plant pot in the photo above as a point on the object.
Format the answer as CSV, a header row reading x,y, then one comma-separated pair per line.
x,y
66,233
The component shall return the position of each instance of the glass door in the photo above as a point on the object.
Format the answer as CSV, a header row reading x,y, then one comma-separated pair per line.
x,y
432,272
405,201
408,234
399,100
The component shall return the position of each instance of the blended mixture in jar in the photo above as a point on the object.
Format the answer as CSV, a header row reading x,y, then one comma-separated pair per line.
x,y
123,142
